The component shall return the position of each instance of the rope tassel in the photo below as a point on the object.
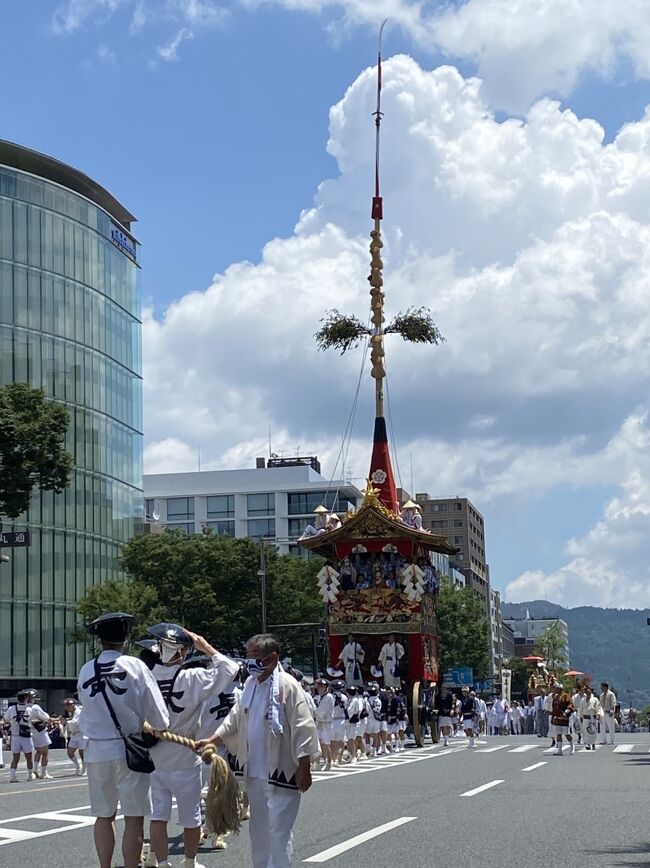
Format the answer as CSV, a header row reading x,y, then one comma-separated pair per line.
x,y
222,801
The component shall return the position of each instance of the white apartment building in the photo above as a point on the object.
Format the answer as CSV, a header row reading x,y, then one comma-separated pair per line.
x,y
274,500
528,630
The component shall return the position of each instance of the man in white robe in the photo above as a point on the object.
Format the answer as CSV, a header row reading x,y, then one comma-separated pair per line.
x,y
389,659
352,656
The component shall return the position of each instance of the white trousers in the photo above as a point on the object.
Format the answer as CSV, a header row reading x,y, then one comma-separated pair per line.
x,y
273,813
609,728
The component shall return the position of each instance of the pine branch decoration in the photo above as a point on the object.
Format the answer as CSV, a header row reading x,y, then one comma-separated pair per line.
x,y
340,332
417,326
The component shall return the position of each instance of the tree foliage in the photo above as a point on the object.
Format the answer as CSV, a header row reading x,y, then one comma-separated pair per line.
x,y
520,675
463,630
552,647
208,583
32,446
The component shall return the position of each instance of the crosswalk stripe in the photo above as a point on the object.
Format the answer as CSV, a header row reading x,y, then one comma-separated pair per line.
x,y
624,748
491,749
523,748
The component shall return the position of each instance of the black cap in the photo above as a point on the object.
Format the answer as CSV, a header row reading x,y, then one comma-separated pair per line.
x,y
112,627
351,689
27,691
173,633
147,644
337,685
197,661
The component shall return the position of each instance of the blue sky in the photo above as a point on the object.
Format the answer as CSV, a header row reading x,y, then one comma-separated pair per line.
x,y
219,148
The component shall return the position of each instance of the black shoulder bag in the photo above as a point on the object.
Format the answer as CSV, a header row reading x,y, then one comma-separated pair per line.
x,y
138,758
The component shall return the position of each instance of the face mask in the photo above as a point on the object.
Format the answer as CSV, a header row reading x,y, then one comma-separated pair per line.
x,y
254,666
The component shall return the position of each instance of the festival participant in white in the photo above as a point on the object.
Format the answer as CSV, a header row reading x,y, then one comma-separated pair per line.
x,y
352,656
38,722
591,713
339,714
444,705
373,722
18,716
323,715
608,703
178,770
273,736
389,659
116,687
469,712
73,734
354,709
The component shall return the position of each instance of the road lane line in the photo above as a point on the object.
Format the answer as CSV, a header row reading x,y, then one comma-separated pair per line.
x,y
624,748
535,766
482,788
38,789
491,749
344,846
523,748
52,814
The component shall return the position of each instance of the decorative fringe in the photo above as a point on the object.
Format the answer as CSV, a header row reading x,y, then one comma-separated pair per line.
x,y
222,802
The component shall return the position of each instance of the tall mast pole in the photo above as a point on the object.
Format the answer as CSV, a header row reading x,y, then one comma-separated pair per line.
x,y
377,355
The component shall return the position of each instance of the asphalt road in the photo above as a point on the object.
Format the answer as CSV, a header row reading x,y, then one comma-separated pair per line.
x,y
509,801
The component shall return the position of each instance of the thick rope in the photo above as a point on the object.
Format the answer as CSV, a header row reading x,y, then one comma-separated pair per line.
x,y
222,802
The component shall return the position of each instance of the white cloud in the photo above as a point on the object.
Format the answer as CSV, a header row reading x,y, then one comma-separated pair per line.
x,y
543,380
609,565
74,15
169,52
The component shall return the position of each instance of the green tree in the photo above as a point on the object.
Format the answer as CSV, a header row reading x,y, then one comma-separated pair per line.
x,y
519,675
551,645
463,630
32,447
208,583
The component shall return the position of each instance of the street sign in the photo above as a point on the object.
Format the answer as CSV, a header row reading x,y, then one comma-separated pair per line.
x,y
462,676
15,539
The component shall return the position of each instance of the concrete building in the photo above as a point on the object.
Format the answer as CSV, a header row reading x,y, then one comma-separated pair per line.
x,y
70,314
458,520
528,630
274,500
507,642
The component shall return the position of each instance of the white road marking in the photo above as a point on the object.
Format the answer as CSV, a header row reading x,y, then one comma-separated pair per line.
x,y
482,788
533,767
71,820
624,748
551,750
344,846
491,749
523,748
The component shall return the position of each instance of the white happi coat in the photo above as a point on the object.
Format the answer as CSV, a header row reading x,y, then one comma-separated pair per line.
x,y
388,657
353,656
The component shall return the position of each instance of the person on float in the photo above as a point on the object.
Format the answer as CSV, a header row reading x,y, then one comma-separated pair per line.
x,y
18,717
411,515
38,721
273,737
389,659
320,523
117,687
351,657
75,740
178,770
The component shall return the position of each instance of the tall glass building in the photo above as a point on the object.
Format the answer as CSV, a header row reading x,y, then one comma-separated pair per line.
x,y
70,323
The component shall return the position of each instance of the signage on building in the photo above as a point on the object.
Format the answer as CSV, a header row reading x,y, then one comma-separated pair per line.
x,y
462,676
15,539
121,239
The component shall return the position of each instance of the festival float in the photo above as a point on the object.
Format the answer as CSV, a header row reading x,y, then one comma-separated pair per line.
x,y
379,578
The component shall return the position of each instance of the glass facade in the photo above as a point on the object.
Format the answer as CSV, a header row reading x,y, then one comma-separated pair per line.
x,y
70,323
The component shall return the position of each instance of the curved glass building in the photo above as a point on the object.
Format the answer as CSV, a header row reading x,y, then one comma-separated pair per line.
x,y
70,323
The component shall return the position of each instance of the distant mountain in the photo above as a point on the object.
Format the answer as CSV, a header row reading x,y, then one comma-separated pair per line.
x,y
612,645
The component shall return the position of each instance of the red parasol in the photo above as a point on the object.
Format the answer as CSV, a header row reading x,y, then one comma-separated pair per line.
x,y
572,673
533,659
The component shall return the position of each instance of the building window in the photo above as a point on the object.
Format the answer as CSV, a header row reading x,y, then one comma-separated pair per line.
x,y
438,524
221,506
261,504
224,528
297,526
458,523
179,508
261,527
299,552
458,506
458,539
438,507
149,509
305,502
187,527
